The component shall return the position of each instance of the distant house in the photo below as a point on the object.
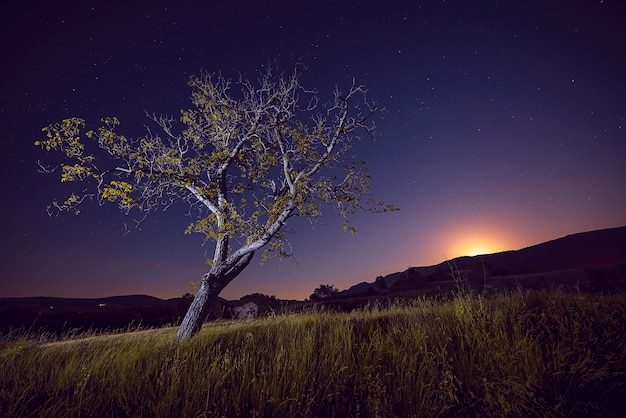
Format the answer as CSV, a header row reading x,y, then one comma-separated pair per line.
x,y
248,310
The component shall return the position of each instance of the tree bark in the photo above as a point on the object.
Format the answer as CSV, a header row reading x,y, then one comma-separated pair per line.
x,y
197,312
212,284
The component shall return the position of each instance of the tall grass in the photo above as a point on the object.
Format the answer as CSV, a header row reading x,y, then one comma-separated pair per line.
x,y
522,354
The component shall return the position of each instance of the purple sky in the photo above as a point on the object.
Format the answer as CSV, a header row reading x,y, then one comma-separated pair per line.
x,y
505,129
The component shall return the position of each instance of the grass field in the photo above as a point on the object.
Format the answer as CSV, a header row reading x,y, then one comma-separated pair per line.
x,y
523,354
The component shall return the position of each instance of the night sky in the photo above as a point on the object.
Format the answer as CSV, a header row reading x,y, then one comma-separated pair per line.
x,y
505,128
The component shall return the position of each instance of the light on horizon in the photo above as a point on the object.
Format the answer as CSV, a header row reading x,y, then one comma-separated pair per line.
x,y
476,243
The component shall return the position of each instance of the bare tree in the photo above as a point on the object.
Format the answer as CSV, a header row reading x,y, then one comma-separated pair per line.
x,y
243,164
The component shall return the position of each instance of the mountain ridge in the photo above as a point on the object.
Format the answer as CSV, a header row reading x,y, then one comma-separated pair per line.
x,y
597,248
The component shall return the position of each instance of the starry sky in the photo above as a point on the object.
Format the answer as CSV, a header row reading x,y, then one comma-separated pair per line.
x,y
505,128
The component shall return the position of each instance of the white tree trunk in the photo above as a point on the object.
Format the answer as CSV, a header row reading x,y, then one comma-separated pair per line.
x,y
194,318
212,284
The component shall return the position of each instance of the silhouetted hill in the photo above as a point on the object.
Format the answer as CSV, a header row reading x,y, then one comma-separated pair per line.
x,y
66,315
594,249
42,303
74,315
600,248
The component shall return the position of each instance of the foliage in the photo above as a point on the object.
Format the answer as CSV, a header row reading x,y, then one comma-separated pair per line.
x,y
409,278
324,291
244,164
523,354
380,283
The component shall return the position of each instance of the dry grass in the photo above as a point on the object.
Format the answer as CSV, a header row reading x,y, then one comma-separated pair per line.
x,y
522,354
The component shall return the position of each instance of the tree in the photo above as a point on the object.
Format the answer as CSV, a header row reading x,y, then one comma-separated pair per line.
x,y
243,165
324,291
380,283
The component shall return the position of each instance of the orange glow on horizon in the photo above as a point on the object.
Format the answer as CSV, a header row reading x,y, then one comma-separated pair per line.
x,y
475,241
476,246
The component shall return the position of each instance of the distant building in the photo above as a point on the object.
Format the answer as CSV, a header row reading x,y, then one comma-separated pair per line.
x,y
248,310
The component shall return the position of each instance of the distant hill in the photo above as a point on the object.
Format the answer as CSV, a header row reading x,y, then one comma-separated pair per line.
x,y
74,315
594,249
69,315
582,259
44,303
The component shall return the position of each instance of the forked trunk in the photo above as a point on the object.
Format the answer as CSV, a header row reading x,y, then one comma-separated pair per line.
x,y
194,318
212,284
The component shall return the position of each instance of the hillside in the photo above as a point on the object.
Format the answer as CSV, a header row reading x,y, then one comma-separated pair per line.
x,y
70,315
587,250
74,315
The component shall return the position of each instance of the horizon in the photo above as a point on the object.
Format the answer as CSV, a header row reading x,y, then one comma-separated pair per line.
x,y
302,299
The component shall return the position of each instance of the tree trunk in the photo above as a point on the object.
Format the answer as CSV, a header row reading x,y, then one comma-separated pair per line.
x,y
212,284
194,318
